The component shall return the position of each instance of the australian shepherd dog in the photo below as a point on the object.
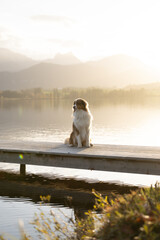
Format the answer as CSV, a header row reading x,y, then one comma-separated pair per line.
x,y
82,120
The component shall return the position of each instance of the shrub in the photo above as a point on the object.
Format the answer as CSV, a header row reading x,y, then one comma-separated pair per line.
x,y
132,216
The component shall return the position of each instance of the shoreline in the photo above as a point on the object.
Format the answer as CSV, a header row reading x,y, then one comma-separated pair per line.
x,y
69,192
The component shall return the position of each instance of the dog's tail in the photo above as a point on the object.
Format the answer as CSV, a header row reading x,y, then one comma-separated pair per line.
x,y
66,141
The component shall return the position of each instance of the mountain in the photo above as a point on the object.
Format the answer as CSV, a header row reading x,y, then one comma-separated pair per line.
x,y
114,71
11,61
64,59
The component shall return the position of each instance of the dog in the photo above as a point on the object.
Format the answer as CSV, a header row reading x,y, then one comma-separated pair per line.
x,y
81,127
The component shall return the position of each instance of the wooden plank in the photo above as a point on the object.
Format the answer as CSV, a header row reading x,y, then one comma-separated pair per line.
x,y
116,158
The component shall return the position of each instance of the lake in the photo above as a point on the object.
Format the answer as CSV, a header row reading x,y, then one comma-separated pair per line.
x,y
124,123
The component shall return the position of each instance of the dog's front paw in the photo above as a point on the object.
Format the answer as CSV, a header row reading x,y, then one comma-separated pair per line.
x,y
87,145
70,145
79,145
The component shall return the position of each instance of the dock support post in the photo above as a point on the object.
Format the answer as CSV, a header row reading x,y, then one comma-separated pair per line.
x,y
22,169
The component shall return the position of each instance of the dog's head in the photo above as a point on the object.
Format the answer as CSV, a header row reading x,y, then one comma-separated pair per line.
x,y
80,104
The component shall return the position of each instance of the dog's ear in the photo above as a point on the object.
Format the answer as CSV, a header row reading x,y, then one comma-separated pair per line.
x,y
85,104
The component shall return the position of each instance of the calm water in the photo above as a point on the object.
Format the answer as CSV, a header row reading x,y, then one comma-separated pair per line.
x,y
16,210
114,123
47,121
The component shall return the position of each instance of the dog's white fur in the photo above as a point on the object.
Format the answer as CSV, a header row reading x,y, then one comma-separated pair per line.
x,y
82,121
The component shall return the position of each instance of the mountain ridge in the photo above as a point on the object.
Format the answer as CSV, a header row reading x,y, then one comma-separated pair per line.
x,y
12,61
114,71
64,59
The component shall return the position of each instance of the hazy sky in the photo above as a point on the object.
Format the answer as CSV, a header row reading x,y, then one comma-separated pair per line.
x,y
88,28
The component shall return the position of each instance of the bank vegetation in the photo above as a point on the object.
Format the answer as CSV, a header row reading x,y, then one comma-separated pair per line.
x,y
133,216
71,93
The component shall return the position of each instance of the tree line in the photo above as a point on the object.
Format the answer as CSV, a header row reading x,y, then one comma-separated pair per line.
x,y
71,93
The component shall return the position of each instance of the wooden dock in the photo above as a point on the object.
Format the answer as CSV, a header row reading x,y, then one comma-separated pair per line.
x,y
116,158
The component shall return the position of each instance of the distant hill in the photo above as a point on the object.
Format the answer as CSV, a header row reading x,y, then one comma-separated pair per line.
x,y
11,61
114,71
64,59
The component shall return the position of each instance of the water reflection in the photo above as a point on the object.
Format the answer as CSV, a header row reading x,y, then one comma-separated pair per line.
x,y
69,191
15,209
133,123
